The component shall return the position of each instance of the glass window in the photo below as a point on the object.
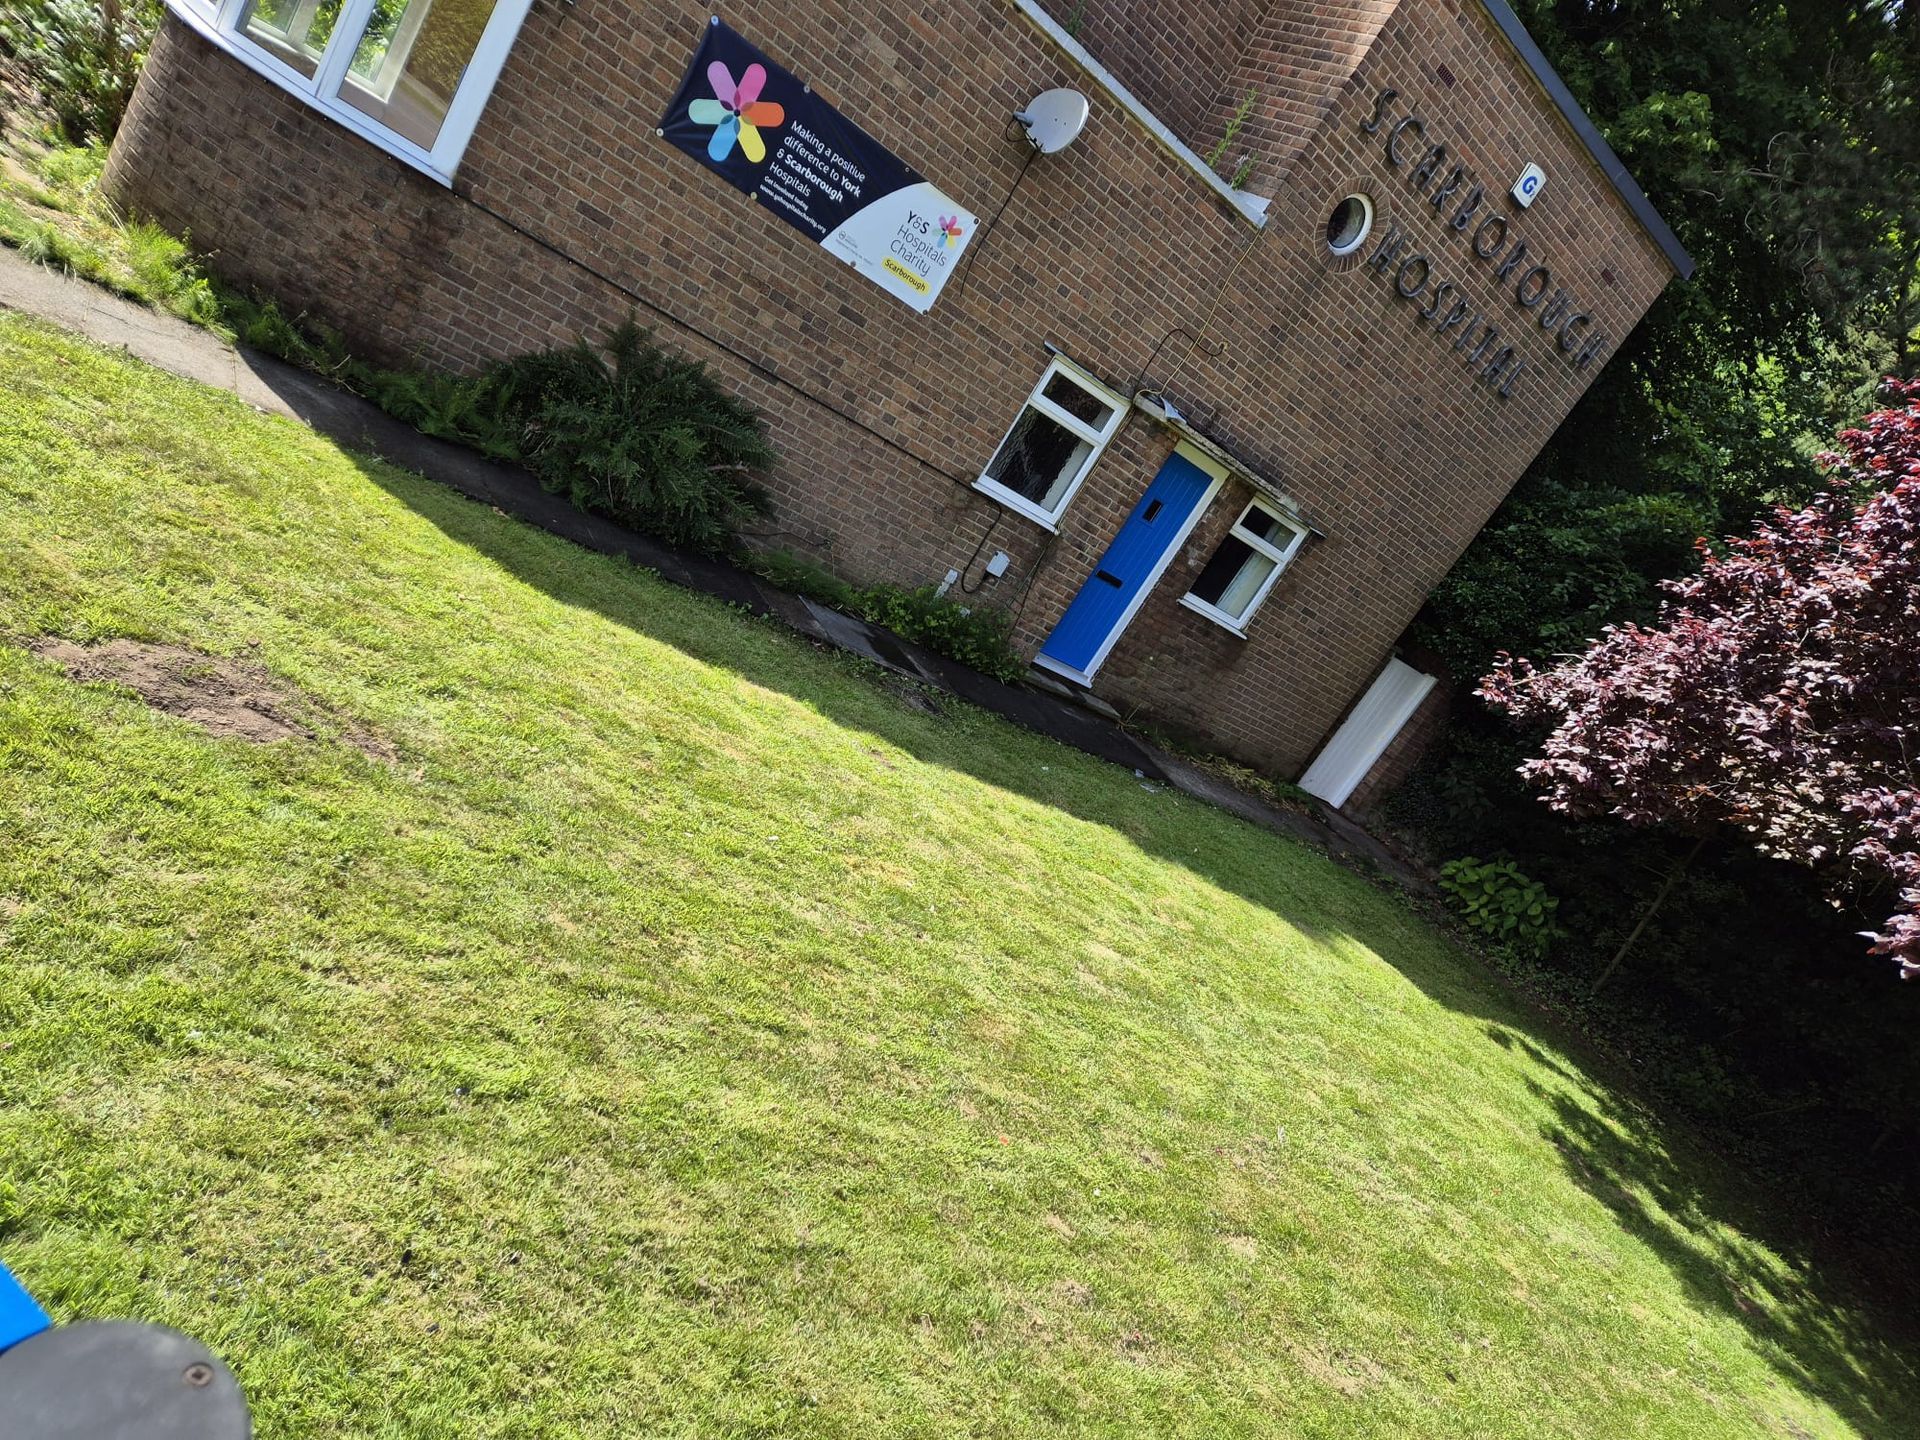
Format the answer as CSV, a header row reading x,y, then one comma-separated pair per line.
x,y
1078,401
1230,587
1350,224
1233,577
1039,459
410,60
294,32
410,76
1066,423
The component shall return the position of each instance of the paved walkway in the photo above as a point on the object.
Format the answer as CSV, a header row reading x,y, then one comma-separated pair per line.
x,y
273,386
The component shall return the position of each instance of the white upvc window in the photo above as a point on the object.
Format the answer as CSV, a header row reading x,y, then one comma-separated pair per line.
x,y
410,76
1232,585
1059,433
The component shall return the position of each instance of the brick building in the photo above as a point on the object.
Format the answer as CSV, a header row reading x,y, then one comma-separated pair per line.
x,y
1209,431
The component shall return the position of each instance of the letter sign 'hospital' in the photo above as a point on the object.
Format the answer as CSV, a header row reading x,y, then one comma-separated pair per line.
x,y
763,130
1494,355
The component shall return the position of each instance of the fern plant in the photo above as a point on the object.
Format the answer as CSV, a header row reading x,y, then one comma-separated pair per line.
x,y
627,429
462,408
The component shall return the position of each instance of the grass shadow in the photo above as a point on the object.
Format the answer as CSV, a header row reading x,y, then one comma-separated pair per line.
x,y
1808,1321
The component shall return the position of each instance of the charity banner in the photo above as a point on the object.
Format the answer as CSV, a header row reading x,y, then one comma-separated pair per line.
x,y
763,130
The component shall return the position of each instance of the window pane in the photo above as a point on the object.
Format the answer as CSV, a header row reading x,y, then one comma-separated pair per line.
x,y
1268,527
410,60
1082,404
292,31
1038,459
1233,577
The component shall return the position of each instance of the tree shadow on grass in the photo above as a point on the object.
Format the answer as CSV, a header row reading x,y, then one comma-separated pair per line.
x,y
1619,1153
1807,1321
894,711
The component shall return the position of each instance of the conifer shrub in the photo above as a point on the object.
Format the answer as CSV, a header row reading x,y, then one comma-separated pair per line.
x,y
638,434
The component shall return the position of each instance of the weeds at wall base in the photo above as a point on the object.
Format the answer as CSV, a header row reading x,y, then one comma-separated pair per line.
x,y
52,212
976,636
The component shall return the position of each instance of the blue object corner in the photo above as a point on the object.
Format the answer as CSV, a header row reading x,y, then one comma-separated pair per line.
x,y
21,1317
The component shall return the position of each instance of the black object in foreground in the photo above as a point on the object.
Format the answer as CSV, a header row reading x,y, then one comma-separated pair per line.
x,y
118,1380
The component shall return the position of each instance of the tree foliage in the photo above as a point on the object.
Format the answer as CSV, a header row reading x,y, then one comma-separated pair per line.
x,y
1782,142
1779,694
82,57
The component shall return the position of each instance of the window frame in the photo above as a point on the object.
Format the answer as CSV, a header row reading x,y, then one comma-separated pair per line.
x,y
1096,437
1281,555
1368,214
219,22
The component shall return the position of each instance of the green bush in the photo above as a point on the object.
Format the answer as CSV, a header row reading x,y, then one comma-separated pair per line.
x,y
976,637
639,435
1497,900
630,431
81,56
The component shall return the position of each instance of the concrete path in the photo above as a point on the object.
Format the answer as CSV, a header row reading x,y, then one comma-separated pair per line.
x,y
270,385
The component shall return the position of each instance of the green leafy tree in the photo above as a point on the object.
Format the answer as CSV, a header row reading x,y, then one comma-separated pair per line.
x,y
1781,142
82,57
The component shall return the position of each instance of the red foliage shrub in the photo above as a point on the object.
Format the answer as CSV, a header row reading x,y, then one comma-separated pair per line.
x,y
1779,694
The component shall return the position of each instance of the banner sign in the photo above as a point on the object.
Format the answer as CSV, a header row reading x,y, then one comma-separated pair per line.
x,y
763,130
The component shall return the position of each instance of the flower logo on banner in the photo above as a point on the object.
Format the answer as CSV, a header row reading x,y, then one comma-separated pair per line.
x,y
950,227
737,113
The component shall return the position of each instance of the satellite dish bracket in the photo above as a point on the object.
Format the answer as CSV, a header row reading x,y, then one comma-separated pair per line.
x,y
1053,119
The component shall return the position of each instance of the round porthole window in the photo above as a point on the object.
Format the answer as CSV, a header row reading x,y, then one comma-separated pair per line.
x,y
1349,225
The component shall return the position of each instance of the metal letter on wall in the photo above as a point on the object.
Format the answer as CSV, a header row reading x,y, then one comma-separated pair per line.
x,y
761,129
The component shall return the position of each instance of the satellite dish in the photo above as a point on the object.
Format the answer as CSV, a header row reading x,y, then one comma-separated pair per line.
x,y
1053,119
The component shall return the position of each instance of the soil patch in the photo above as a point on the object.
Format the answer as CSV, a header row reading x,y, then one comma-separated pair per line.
x,y
913,696
234,698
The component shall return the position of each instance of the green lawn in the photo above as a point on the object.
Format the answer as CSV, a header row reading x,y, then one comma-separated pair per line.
x,y
683,1034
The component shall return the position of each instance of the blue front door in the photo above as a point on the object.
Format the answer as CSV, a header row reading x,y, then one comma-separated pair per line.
x,y
1132,562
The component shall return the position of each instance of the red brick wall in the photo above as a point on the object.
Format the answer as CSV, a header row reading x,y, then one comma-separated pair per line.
x,y
1177,56
1195,62
1313,370
1294,62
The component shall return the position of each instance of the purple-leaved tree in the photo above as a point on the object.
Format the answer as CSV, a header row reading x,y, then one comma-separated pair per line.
x,y
1779,693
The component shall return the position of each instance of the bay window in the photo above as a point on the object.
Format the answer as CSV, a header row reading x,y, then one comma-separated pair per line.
x,y
411,76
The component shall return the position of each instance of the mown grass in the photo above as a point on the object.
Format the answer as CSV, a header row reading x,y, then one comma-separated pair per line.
x,y
685,1036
